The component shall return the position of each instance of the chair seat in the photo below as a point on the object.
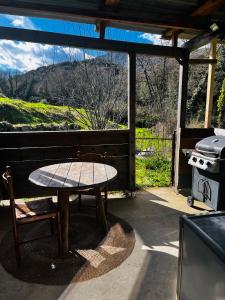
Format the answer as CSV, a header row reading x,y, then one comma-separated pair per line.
x,y
35,208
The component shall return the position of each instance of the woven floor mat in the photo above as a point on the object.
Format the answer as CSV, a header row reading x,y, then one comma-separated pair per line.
x,y
92,253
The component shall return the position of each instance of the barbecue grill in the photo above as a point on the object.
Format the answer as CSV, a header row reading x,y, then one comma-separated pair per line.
x,y
208,172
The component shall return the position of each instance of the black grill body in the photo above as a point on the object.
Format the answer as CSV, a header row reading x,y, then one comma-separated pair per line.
x,y
208,172
201,272
208,188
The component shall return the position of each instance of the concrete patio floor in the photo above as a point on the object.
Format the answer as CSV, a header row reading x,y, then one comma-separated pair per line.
x,y
150,272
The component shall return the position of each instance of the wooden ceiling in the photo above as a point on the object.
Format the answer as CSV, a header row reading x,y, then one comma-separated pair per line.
x,y
186,18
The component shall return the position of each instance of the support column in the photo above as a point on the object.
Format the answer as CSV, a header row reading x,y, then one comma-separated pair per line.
x,y
182,94
132,116
210,86
181,115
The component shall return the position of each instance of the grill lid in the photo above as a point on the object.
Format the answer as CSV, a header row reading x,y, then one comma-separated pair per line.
x,y
212,146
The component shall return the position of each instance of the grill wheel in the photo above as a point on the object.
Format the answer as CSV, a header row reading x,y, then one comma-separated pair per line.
x,y
190,201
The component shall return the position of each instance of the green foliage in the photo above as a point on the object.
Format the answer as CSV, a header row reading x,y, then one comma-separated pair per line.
x,y
152,172
221,105
21,112
6,126
41,116
195,103
157,145
156,163
146,118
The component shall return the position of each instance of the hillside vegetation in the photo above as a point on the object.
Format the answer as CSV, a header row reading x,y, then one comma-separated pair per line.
x,y
18,112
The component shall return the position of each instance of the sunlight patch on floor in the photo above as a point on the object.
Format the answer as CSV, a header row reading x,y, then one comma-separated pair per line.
x,y
169,248
112,250
92,256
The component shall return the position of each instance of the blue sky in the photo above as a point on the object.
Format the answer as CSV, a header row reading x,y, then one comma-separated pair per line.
x,y
23,56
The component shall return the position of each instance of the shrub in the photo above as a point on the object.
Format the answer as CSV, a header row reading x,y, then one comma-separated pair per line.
x,y
155,163
6,126
152,172
221,106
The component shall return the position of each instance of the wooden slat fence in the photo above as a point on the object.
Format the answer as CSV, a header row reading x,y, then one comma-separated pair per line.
x,y
27,151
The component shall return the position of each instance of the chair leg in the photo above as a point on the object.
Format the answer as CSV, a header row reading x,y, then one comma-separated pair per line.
x,y
106,201
79,201
97,212
18,254
59,236
17,246
52,229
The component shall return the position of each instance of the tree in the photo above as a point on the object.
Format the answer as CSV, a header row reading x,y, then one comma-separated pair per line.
x,y
157,86
221,106
97,88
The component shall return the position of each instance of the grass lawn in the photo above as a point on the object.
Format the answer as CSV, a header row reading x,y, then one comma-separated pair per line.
x,y
152,172
156,170
23,112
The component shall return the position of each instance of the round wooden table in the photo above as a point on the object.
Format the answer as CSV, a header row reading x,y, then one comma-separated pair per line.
x,y
74,176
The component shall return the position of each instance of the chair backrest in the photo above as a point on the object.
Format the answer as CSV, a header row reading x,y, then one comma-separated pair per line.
x,y
8,183
92,157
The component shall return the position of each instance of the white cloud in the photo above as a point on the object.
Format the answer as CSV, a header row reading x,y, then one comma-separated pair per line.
x,y
72,53
21,22
155,39
24,56
76,54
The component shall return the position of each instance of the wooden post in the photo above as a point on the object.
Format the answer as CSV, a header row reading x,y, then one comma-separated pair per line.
x,y
174,39
182,94
100,28
181,114
132,116
210,86
173,150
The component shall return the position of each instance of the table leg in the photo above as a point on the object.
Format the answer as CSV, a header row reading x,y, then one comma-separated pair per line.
x,y
63,202
101,209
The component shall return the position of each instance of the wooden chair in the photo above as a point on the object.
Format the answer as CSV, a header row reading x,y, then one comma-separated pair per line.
x,y
97,158
29,212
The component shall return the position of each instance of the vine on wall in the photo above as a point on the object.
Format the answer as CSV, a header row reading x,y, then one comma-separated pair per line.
x,y
221,106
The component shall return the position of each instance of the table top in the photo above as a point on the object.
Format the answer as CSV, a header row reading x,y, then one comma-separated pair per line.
x,y
73,175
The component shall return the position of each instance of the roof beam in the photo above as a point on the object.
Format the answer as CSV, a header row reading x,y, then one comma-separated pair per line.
x,y
202,61
74,14
204,39
41,37
206,9
112,2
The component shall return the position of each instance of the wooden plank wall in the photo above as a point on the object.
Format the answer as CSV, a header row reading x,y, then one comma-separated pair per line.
x,y
27,151
189,138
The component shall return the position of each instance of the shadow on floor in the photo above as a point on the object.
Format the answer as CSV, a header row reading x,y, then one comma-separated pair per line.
x,y
154,259
92,252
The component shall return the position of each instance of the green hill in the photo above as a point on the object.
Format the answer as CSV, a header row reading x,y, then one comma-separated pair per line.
x,y
16,114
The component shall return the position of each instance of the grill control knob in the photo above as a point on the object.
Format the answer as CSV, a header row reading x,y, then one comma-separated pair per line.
x,y
194,159
201,162
208,164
